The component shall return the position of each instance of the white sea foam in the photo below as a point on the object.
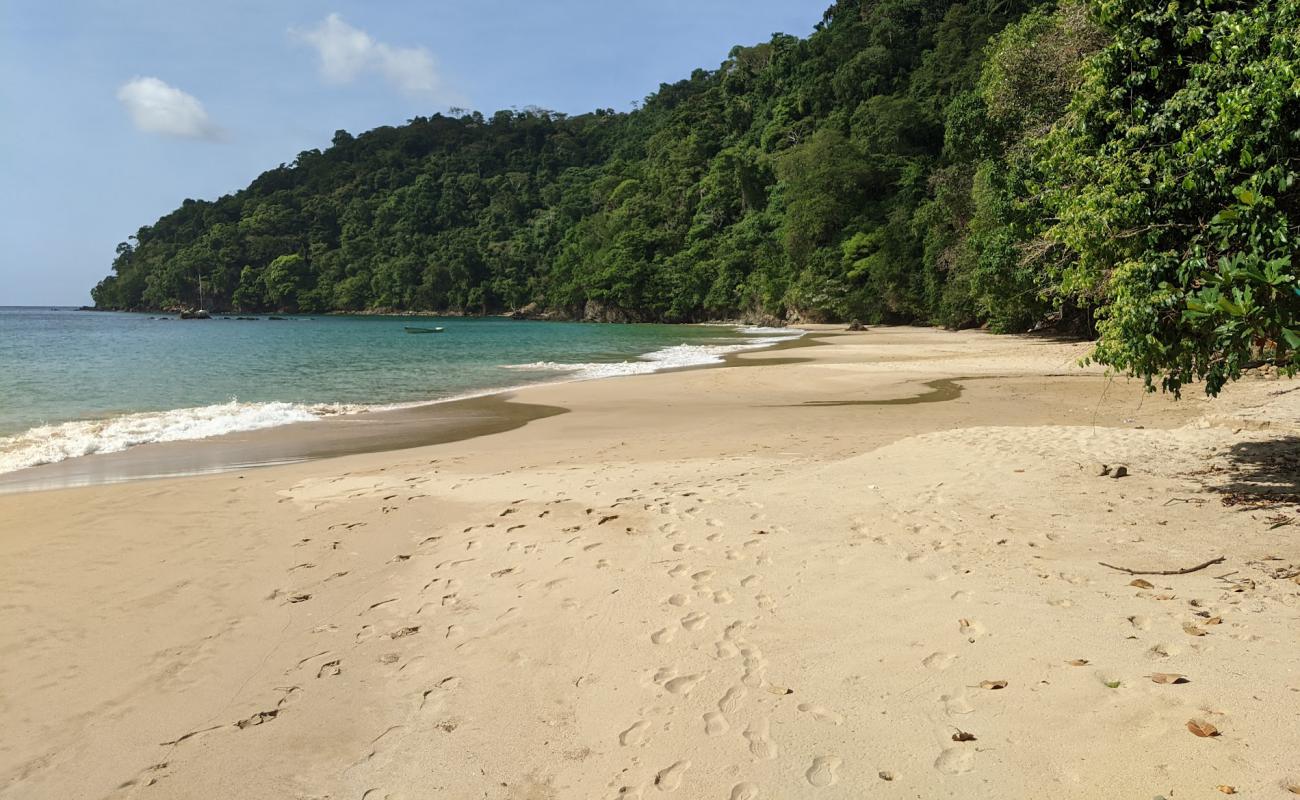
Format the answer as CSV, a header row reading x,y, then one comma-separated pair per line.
x,y
52,443
674,357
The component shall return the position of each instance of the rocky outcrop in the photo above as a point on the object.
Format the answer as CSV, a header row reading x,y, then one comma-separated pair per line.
x,y
595,311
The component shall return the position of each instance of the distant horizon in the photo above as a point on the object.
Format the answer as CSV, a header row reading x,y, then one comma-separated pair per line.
x,y
193,101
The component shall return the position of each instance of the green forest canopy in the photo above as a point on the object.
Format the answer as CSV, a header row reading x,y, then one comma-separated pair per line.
x,y
1107,164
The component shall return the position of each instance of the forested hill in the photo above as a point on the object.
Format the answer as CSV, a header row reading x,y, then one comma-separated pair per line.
x,y
995,162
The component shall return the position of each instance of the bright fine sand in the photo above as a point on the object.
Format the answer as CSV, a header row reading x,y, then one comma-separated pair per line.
x,y
763,580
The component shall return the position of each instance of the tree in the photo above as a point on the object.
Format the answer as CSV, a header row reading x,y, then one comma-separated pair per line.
x,y
1173,188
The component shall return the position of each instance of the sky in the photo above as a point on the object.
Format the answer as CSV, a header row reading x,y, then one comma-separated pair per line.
x,y
114,111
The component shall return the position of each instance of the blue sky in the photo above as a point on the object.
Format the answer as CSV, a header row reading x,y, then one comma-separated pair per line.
x,y
114,111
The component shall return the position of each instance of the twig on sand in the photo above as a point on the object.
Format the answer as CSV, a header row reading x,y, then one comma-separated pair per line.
x,y
1197,500
1196,568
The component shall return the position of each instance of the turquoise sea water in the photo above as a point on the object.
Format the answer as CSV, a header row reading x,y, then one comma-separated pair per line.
x,y
74,383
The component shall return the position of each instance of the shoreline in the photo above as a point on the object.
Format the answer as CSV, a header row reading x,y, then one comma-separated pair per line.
x,y
788,580
400,425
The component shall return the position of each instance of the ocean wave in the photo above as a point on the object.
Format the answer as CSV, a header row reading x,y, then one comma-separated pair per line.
x,y
672,357
49,444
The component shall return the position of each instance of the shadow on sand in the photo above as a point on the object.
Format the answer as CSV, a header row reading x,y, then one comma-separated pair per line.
x,y
1257,473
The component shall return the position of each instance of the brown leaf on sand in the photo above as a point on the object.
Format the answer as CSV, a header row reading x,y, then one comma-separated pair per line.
x,y
1078,662
1192,630
963,736
1141,584
993,684
1226,789
1168,677
1202,728
1213,621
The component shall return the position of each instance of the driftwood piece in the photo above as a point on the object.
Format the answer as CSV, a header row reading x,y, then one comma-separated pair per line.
x,y
1186,571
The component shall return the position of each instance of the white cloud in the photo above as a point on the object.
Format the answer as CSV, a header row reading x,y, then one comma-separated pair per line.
x,y
157,107
346,53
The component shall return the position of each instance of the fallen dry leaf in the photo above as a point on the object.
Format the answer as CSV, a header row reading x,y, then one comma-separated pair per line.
x,y
1293,788
1168,677
993,684
1202,728
1141,584
1192,630
1226,789
1166,596
779,690
1078,662
1213,621
963,736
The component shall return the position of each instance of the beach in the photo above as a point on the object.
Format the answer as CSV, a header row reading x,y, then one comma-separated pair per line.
x,y
867,565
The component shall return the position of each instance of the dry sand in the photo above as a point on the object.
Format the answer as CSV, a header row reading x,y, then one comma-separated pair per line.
x,y
757,582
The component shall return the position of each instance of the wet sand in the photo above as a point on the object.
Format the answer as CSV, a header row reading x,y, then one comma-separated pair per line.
x,y
373,432
789,580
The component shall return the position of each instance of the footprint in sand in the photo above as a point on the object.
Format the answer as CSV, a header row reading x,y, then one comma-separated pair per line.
x,y
757,733
683,684
662,636
755,674
731,701
663,674
723,650
715,724
744,791
679,600
749,581
821,713
954,761
723,597
939,660
634,734
695,620
956,704
670,778
734,631
703,576
678,571
822,771
765,602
